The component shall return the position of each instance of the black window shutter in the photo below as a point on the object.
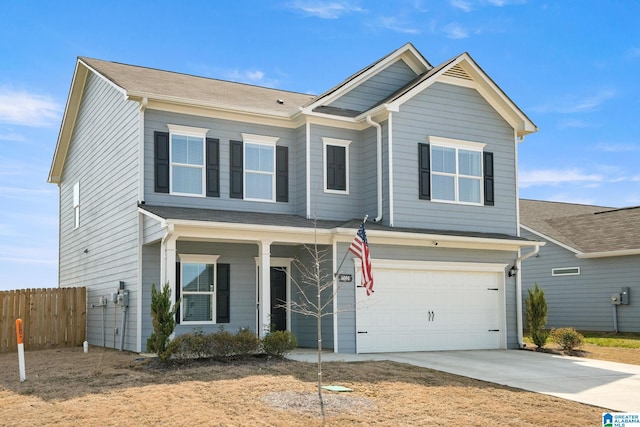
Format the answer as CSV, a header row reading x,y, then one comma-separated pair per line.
x,y
161,161
336,167
489,196
178,288
223,293
236,170
282,174
213,167
424,172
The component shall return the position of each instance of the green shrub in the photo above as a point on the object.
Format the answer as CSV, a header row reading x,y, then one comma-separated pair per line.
x,y
279,343
222,344
567,338
246,343
163,320
190,345
537,316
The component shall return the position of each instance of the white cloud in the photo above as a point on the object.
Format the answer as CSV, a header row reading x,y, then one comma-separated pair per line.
x,y
612,147
398,25
463,5
554,177
633,53
454,30
326,9
12,136
573,124
582,105
254,77
27,109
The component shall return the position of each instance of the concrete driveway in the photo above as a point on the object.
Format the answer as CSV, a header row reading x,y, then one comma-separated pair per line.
x,y
614,386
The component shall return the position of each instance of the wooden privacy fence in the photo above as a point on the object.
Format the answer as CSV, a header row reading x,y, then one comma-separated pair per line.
x,y
50,317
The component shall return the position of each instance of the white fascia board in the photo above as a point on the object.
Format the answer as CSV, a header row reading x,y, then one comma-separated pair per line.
x,y
69,117
222,112
554,241
106,80
153,216
407,53
605,254
437,240
485,86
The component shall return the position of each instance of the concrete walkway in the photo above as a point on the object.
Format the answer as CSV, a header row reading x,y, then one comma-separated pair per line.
x,y
614,386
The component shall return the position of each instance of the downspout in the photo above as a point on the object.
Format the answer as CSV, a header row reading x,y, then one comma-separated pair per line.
x,y
518,265
379,155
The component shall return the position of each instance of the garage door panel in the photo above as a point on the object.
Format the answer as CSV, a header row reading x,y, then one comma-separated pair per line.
x,y
421,310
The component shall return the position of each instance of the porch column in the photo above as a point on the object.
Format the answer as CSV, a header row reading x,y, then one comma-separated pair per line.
x,y
264,288
168,265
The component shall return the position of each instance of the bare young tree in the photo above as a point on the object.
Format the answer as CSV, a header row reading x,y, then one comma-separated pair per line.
x,y
316,280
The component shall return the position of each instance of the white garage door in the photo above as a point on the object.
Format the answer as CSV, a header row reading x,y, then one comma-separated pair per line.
x,y
431,306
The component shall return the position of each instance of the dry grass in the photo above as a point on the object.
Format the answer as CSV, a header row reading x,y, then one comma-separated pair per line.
x,y
107,387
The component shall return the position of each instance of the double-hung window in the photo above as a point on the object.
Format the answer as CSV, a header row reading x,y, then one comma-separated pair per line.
x,y
198,288
187,160
259,167
456,171
336,165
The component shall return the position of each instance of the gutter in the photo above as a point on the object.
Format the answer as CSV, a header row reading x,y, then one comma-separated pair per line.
x,y
517,266
379,155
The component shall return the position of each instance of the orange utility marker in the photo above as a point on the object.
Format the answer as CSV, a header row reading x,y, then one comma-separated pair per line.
x,y
20,334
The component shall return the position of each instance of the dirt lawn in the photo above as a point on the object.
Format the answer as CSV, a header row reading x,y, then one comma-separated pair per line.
x,y
108,387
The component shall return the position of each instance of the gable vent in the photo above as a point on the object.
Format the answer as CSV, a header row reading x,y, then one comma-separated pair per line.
x,y
458,72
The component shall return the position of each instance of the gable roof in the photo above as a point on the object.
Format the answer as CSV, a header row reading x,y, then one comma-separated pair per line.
x,y
179,90
587,230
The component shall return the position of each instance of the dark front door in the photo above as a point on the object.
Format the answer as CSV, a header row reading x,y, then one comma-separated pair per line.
x,y
278,298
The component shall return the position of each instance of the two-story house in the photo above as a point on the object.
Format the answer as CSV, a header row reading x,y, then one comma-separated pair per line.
x,y
215,187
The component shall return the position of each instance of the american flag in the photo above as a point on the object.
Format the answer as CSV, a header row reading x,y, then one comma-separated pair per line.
x,y
360,248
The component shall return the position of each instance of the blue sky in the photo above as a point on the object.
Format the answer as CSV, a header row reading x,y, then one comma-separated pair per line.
x,y
572,67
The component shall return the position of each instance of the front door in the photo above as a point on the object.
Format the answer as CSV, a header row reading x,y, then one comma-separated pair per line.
x,y
278,298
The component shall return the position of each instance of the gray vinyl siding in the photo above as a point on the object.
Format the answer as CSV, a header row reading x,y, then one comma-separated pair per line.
x,y
299,168
151,230
150,276
102,157
460,113
329,205
225,131
376,88
305,327
347,316
583,301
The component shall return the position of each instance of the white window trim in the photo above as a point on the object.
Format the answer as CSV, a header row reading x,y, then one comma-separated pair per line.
x,y
555,272
193,132
76,205
457,144
200,259
339,143
248,138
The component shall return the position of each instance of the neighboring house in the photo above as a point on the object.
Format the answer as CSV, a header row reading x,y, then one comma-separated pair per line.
x,y
591,257
216,187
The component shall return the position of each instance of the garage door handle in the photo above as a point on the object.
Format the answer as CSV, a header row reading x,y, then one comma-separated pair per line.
x,y
363,332
494,330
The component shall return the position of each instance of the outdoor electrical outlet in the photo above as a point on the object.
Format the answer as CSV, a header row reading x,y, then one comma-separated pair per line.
x,y
115,331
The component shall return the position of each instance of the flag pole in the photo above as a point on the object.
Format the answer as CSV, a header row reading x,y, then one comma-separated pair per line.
x,y
347,253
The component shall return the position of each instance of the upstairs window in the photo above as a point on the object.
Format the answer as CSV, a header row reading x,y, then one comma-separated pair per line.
x,y
336,165
455,171
259,169
187,160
